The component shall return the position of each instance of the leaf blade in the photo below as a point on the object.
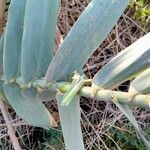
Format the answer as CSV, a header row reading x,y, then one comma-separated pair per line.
x,y
141,84
38,38
70,122
126,65
88,32
12,68
29,108
13,39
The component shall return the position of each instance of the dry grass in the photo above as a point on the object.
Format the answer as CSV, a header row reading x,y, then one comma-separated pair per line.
x,y
98,118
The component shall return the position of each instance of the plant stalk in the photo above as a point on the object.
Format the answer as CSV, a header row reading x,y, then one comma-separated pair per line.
x,y
87,91
110,96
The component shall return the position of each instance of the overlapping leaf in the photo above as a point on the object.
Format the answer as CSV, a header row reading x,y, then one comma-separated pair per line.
x,y
29,108
89,31
2,94
23,102
126,65
38,38
141,84
70,123
13,39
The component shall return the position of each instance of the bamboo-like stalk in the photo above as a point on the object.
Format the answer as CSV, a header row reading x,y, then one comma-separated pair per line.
x,y
100,95
121,97
2,10
110,96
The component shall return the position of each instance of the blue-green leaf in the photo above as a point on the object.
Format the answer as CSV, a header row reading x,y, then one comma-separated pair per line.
x,y
70,122
126,65
13,39
87,34
38,37
25,103
29,108
141,84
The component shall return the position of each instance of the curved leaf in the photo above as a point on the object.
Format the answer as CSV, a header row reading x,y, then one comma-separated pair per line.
x,y
70,123
29,108
38,38
126,65
13,39
141,84
89,31
26,105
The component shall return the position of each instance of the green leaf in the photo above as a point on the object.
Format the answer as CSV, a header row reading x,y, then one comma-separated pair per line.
x,y
128,113
1,54
38,37
29,108
87,34
126,65
13,39
76,85
70,122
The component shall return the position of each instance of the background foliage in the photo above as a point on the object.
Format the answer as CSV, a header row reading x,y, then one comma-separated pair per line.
x,y
141,12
